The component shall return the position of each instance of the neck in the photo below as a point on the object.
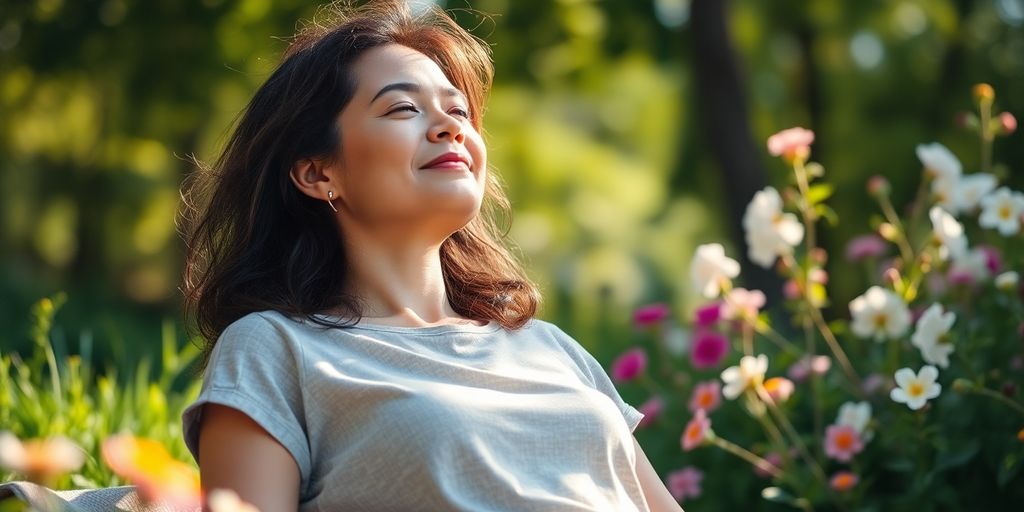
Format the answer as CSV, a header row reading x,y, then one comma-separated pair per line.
x,y
398,279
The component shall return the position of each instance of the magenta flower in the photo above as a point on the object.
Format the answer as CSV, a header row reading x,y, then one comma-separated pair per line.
x,y
708,315
791,143
684,483
842,442
629,365
993,258
708,349
707,395
865,246
696,430
651,409
651,314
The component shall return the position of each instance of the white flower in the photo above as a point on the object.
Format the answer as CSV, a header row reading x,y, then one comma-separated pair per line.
x,y
1007,281
970,189
856,415
939,162
710,266
949,233
879,314
916,390
738,378
945,192
769,231
676,340
970,268
931,335
1002,210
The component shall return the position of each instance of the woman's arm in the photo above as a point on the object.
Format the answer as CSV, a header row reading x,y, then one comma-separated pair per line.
x,y
657,495
236,453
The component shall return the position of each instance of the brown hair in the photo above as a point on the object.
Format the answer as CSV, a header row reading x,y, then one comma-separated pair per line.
x,y
255,242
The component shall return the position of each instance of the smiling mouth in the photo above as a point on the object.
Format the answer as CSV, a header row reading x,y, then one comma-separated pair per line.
x,y
448,165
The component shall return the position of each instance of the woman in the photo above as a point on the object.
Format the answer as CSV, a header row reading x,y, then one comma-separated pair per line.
x,y
374,345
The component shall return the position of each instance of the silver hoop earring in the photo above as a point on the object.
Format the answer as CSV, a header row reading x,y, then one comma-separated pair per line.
x,y
330,197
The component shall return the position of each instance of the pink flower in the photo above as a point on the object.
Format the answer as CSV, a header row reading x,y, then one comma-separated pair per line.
x,y
843,481
708,349
808,364
707,395
779,389
791,289
743,302
708,314
1007,123
772,458
696,430
842,442
649,315
651,409
684,483
629,365
791,143
865,246
872,383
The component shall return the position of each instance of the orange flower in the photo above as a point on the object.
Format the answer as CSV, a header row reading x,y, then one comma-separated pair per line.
x,y
40,460
843,481
146,464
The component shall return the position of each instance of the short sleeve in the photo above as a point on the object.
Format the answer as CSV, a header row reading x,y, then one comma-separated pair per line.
x,y
255,368
597,376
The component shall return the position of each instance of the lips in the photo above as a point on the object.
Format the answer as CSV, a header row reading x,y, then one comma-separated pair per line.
x,y
450,160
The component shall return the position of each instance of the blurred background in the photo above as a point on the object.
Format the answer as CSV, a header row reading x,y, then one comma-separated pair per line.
x,y
627,133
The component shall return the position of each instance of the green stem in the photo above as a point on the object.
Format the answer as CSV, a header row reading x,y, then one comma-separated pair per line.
x,y
906,251
793,434
746,455
999,397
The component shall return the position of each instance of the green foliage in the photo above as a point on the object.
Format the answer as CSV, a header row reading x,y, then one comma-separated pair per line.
x,y
45,395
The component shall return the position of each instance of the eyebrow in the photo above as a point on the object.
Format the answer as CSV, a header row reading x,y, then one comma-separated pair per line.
x,y
415,88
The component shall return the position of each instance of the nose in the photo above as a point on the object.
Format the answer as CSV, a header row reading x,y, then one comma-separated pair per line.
x,y
446,127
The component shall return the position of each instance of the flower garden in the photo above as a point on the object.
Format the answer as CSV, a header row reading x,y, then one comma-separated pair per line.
x,y
909,402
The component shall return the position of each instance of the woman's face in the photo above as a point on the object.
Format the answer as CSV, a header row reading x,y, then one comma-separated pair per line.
x,y
410,156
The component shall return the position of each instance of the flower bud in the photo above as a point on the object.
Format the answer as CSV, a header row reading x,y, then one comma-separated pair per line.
x,y
878,186
819,256
983,93
966,120
888,231
1007,123
963,386
1020,435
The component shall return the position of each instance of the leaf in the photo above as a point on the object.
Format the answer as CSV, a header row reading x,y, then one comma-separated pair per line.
x,y
951,459
828,214
819,192
1009,468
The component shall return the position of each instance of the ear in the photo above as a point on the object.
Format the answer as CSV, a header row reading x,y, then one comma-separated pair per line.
x,y
315,177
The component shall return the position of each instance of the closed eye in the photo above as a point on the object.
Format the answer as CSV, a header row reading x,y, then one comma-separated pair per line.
x,y
403,108
459,111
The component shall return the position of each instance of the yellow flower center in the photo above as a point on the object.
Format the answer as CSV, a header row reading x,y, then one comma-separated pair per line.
x,y
1005,212
915,389
881,321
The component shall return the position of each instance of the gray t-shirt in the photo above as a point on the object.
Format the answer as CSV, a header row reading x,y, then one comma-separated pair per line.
x,y
456,417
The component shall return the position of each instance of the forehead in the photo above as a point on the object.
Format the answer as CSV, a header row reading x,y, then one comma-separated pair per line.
x,y
393,63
